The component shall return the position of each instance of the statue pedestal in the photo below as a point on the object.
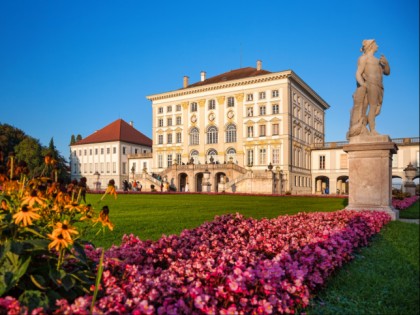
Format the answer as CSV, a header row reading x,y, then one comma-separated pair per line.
x,y
370,173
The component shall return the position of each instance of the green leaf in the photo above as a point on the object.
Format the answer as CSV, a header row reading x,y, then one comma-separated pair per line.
x,y
68,283
33,299
80,251
38,281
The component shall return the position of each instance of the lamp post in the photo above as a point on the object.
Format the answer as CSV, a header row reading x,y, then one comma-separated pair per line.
x,y
98,184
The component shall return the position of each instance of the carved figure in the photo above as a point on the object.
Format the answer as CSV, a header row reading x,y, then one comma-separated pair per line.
x,y
367,99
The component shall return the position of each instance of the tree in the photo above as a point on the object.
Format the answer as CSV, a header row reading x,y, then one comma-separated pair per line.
x,y
9,138
29,150
78,138
72,140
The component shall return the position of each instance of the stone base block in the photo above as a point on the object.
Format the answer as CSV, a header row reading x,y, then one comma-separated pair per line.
x,y
370,173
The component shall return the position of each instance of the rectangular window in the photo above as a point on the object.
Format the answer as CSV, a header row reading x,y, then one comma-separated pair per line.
x,y
108,167
250,112
275,129
230,101
275,93
123,150
262,130
276,156
169,122
178,108
262,95
193,107
102,167
108,150
169,109
160,110
178,120
96,151
90,151
85,152
178,137
322,162
250,157
80,152
169,138
124,167
178,158
160,139
212,104
262,110
249,97
114,167
250,131
114,150
169,160
275,109
263,157
160,161
160,122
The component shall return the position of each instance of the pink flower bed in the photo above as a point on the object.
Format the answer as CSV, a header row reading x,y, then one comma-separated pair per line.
x,y
232,265
405,203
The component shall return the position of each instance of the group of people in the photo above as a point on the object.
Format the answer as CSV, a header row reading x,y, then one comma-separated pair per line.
x,y
133,185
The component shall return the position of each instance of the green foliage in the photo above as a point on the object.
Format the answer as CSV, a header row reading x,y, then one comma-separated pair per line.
x,y
29,150
412,212
42,256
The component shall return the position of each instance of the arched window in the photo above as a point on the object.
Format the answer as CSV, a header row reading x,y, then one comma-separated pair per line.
x,y
194,156
231,133
231,155
212,135
194,136
212,155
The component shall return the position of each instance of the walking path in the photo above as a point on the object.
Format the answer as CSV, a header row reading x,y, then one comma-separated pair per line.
x,y
409,220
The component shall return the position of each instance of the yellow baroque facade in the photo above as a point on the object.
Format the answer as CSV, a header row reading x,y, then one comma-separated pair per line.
x,y
228,131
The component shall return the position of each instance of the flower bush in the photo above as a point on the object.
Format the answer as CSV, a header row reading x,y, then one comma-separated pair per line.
x,y
402,204
42,257
232,265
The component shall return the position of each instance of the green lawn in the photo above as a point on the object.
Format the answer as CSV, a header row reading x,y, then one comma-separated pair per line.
x,y
412,212
151,215
382,279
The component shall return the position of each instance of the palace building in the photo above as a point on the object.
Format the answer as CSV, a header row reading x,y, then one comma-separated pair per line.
x,y
237,125
248,130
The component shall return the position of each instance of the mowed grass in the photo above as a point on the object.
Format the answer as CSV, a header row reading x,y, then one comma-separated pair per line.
x,y
382,279
150,215
412,212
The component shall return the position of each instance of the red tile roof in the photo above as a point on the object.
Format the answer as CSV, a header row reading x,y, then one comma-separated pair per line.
x,y
118,130
231,75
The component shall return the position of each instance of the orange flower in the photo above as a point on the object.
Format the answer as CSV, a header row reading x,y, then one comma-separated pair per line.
x,y
74,206
65,229
110,189
59,242
104,218
33,198
26,215
4,205
47,159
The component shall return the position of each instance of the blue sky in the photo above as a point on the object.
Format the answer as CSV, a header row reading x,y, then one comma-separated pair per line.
x,y
72,67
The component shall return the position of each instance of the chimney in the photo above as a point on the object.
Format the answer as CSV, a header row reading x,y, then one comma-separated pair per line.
x,y
203,76
132,123
185,81
259,64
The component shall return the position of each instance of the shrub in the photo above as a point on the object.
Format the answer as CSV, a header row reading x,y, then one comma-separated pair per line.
x,y
42,255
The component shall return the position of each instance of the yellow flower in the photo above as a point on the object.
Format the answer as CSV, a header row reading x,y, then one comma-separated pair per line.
x,y
65,229
59,241
74,206
4,205
33,198
110,189
26,215
104,218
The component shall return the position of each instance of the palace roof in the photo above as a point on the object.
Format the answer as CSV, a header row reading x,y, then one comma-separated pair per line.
x,y
236,74
118,130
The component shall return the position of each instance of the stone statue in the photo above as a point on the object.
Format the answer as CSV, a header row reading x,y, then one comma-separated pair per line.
x,y
367,99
